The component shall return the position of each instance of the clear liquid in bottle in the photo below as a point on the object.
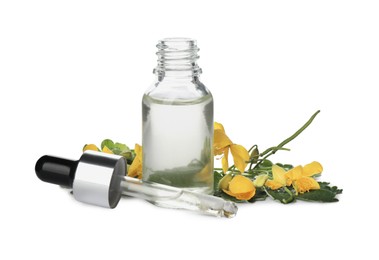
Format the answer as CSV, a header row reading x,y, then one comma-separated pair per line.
x,y
177,143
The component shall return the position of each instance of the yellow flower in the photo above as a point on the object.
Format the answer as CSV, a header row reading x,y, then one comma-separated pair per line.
x,y
239,186
135,169
278,178
222,144
93,147
301,177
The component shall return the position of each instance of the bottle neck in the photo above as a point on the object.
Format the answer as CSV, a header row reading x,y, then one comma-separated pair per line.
x,y
177,58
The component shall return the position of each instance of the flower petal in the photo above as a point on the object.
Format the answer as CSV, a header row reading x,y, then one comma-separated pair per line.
x,y
294,174
91,147
224,160
218,126
241,184
305,184
107,150
279,174
241,188
138,150
240,156
245,196
229,193
135,169
220,141
312,169
274,185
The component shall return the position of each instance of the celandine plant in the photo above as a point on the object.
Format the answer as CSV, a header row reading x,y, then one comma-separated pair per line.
x,y
252,177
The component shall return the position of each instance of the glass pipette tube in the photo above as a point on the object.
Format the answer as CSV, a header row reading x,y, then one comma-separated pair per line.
x,y
172,197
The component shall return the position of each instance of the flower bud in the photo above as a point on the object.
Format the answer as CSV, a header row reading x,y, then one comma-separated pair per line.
x,y
224,182
260,180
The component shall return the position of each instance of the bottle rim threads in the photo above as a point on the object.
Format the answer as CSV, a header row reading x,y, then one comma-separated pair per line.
x,y
177,55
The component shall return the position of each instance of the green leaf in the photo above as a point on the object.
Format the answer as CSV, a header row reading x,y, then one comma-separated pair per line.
x,y
260,194
108,143
265,164
127,155
326,186
116,151
227,197
123,147
286,167
264,167
280,195
119,148
318,195
326,193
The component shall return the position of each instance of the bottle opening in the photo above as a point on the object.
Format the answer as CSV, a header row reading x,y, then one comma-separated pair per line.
x,y
177,54
177,44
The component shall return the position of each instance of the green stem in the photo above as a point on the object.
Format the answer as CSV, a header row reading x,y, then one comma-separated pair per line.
x,y
274,148
271,151
289,139
252,159
261,160
290,193
251,148
251,165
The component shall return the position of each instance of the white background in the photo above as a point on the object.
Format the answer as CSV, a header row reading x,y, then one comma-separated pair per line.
x,y
73,72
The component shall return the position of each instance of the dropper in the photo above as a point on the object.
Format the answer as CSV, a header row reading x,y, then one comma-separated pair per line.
x,y
99,179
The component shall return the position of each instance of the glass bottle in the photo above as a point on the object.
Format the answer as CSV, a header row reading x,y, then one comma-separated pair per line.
x,y
178,120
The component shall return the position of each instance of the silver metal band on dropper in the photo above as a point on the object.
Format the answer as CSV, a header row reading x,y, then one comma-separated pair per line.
x,y
97,179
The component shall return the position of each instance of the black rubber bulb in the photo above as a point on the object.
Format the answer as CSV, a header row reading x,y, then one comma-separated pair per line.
x,y
56,170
